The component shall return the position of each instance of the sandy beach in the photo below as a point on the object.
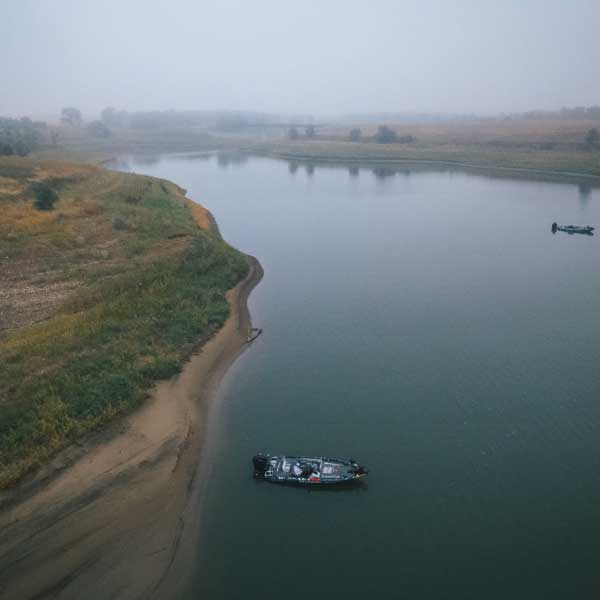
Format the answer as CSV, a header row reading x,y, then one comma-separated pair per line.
x,y
117,516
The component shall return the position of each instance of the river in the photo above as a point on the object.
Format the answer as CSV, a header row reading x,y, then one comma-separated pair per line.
x,y
429,324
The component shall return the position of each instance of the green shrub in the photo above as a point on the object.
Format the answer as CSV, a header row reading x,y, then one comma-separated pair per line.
x,y
45,196
355,135
385,135
592,137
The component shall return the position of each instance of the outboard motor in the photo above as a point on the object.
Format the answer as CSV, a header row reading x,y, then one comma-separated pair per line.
x,y
554,227
358,469
261,464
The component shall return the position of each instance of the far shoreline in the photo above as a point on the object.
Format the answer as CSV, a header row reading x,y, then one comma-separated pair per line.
x,y
404,162
491,169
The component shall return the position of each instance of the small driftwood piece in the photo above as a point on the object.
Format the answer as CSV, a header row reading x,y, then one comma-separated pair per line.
x,y
253,333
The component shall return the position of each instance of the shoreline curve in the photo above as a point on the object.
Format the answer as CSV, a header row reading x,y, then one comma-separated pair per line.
x,y
118,516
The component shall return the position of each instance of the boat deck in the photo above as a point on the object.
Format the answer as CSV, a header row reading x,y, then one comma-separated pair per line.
x,y
312,470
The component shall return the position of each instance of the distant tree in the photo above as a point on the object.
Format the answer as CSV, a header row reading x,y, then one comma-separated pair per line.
x,y
45,196
114,118
385,135
310,131
20,136
293,133
109,116
98,129
71,116
592,137
355,135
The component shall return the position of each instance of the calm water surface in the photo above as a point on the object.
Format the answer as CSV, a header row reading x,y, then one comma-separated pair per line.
x,y
431,326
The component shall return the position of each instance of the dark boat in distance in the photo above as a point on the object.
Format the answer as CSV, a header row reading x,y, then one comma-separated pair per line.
x,y
306,470
585,229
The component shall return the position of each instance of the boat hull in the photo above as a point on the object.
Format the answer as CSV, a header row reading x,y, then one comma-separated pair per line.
x,y
575,229
308,482
307,471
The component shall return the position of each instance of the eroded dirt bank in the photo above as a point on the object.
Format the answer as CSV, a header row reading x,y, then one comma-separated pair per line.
x,y
119,521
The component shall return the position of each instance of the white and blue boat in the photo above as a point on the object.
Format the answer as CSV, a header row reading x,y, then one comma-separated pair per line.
x,y
306,470
585,229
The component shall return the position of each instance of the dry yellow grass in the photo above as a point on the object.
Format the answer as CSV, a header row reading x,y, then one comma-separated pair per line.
x,y
82,232
10,186
123,267
200,214
518,131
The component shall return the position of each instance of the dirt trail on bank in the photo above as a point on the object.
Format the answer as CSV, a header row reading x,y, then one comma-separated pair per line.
x,y
121,520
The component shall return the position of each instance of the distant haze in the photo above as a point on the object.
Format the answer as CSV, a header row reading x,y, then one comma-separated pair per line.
x,y
312,57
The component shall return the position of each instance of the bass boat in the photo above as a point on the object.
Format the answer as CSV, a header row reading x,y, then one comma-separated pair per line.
x,y
306,470
586,229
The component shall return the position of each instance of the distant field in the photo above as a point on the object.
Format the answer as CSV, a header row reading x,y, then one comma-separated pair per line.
x,y
100,297
514,131
546,146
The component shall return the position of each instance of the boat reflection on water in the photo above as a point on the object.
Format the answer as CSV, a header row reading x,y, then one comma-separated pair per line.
x,y
359,486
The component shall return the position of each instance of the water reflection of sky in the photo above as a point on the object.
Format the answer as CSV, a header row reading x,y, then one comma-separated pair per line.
x,y
426,321
382,172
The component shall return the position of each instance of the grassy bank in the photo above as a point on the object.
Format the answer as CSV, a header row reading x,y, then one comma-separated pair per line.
x,y
101,297
545,152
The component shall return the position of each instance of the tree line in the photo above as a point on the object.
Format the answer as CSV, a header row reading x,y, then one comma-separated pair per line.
x,y
19,137
383,135
226,121
72,117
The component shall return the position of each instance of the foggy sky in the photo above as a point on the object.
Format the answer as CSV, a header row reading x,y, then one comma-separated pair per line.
x,y
308,56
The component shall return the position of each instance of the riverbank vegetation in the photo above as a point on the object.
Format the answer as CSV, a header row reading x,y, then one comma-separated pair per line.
x,y
105,291
19,137
119,132
73,139
94,143
545,144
